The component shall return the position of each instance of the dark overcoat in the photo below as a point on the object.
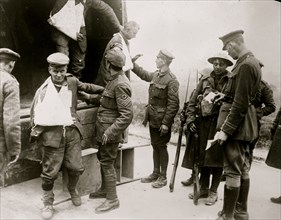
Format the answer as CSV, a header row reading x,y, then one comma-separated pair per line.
x,y
274,155
206,124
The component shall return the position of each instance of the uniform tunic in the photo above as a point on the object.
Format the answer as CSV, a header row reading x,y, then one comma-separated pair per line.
x,y
114,115
238,117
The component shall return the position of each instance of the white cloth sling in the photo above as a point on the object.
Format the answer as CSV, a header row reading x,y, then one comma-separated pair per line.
x,y
54,109
128,64
69,19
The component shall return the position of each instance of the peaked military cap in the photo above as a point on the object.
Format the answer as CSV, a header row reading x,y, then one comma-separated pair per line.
x,y
230,36
116,57
221,56
165,54
6,53
58,59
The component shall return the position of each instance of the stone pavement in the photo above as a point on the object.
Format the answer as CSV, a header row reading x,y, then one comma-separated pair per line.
x,y
141,201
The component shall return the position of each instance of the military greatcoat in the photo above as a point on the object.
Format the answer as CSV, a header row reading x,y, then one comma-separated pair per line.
x,y
274,155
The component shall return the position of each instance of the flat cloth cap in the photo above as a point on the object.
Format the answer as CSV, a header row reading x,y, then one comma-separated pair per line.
x,y
6,53
165,54
230,36
116,57
221,56
58,59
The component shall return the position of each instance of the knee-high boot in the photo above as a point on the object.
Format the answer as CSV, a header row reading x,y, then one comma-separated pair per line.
x,y
229,203
241,210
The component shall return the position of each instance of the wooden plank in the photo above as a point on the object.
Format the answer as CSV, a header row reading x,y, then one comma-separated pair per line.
x,y
128,163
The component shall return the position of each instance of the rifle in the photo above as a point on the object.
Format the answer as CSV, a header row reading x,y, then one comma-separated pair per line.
x,y
176,161
195,168
195,171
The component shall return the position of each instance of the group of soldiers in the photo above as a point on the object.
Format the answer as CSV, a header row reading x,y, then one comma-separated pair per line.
x,y
225,108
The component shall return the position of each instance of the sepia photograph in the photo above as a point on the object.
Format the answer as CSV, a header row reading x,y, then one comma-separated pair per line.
x,y
140,109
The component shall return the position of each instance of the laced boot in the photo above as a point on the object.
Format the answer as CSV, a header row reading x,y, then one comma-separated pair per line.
x,y
188,182
212,198
202,194
276,200
160,182
151,178
47,211
72,182
108,205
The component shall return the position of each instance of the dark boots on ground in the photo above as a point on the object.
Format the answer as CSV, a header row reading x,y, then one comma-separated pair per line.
x,y
111,202
188,182
230,198
241,209
276,200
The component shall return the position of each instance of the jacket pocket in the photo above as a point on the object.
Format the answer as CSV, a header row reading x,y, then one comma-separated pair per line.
x,y
108,99
158,90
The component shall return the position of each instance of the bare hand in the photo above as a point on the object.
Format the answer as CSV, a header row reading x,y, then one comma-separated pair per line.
x,y
184,128
221,136
104,139
192,127
163,129
136,57
79,36
13,159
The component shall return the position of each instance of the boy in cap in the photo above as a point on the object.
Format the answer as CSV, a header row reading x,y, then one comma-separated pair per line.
x,y
203,121
57,128
10,131
114,115
163,105
237,124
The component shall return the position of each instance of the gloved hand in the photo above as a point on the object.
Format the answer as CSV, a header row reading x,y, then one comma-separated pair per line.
x,y
136,57
192,127
163,129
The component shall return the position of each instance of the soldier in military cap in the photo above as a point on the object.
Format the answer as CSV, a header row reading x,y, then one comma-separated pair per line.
x,y
202,119
10,132
237,124
114,115
163,105
56,128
